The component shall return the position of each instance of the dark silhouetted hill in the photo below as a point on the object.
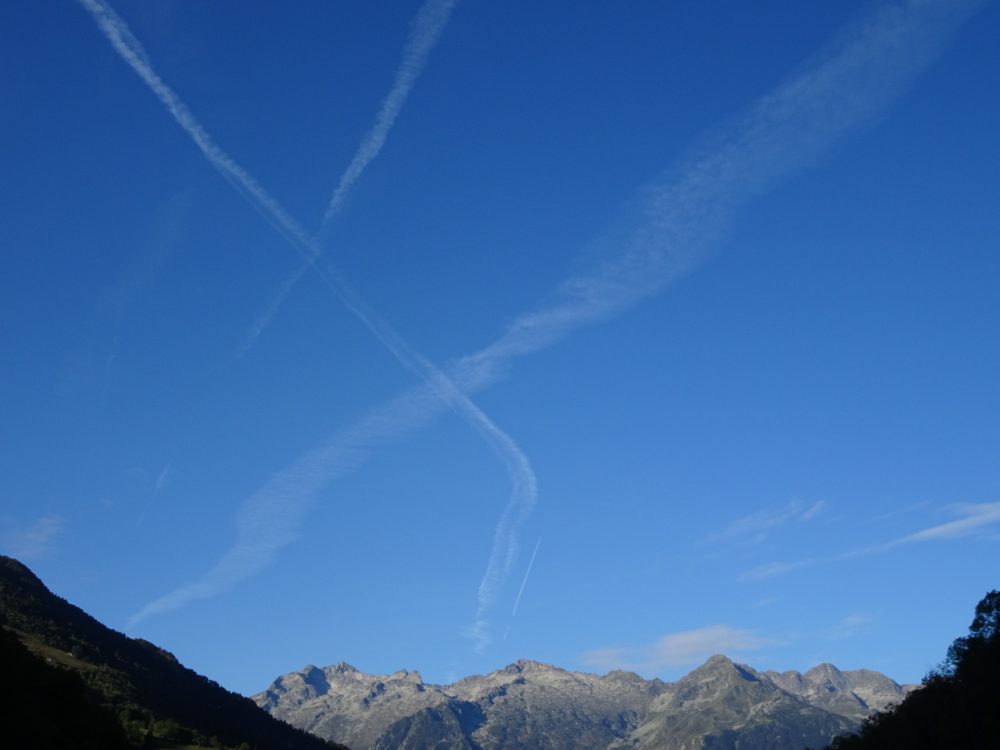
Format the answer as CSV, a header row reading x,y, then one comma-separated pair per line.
x,y
44,706
958,705
80,673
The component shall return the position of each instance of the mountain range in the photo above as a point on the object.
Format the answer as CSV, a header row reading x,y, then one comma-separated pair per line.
x,y
721,705
71,682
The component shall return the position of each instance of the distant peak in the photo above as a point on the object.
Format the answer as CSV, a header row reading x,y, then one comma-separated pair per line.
x,y
405,674
524,665
721,664
824,670
715,663
824,667
341,667
719,659
624,676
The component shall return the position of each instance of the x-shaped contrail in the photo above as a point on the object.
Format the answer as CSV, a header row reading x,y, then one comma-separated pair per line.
x,y
427,28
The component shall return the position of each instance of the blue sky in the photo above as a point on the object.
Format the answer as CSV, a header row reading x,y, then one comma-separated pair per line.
x,y
688,312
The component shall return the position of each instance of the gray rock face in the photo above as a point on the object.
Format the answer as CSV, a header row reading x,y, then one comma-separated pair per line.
x,y
726,705
855,694
719,706
340,701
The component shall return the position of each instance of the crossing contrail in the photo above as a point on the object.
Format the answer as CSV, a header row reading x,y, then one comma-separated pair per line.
x,y
522,476
426,29
664,233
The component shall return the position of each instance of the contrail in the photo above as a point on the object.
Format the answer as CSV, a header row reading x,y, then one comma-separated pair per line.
x,y
666,231
524,582
127,46
518,467
426,29
122,40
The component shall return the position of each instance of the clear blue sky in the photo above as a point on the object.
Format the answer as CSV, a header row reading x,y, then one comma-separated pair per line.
x,y
699,302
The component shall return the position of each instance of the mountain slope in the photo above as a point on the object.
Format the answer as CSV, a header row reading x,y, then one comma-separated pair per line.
x,y
31,688
726,705
341,702
854,694
529,704
147,689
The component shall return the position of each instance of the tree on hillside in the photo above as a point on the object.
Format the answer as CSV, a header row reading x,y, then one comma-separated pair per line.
x,y
958,704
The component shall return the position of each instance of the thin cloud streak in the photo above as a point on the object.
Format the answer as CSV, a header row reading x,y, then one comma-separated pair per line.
x,y
678,649
668,229
524,582
36,541
522,477
427,28
973,518
763,521
849,627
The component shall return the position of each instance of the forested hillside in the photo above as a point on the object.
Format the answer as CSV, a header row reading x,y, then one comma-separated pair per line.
x,y
82,673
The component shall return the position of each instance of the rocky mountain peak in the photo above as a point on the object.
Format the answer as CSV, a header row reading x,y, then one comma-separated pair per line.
x,y
342,667
315,678
719,666
717,660
620,675
408,676
528,665
827,676
854,694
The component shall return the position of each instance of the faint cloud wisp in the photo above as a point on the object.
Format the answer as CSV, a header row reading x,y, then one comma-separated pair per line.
x,y
973,519
757,524
680,649
37,540
850,626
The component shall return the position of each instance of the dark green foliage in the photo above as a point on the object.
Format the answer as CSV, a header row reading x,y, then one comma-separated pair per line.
x,y
958,704
157,701
30,689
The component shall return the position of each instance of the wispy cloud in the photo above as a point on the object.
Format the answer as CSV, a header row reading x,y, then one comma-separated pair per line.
x,y
678,649
159,485
757,524
673,222
972,518
981,518
523,481
849,627
37,540
425,31
163,478
665,231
